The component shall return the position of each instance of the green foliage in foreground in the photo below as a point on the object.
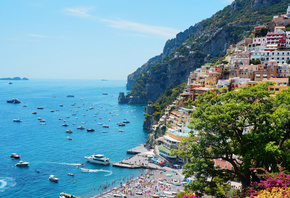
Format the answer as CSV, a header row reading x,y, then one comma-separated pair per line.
x,y
247,128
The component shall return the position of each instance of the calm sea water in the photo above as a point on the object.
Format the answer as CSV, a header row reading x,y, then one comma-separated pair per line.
x,y
46,147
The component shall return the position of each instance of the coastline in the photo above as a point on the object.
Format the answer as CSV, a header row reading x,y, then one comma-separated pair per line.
x,y
155,179
164,181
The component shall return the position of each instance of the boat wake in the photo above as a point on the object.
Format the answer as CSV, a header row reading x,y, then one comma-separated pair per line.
x,y
6,182
86,170
63,163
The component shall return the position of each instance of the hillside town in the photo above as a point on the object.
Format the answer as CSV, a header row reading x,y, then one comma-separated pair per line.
x,y
247,63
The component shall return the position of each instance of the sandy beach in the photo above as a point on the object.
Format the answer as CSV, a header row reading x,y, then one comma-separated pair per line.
x,y
153,183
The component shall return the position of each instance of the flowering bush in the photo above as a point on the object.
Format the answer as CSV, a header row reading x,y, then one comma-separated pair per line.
x,y
271,185
187,195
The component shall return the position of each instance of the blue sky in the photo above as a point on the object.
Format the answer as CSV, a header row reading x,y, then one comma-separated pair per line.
x,y
91,39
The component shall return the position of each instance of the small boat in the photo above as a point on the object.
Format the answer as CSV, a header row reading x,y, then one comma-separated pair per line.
x,y
53,178
70,96
22,164
51,110
42,120
81,127
34,112
43,123
24,105
17,120
39,118
100,123
105,131
70,174
39,107
60,118
105,93
66,195
74,123
10,83
85,170
126,121
65,125
98,159
14,101
68,131
121,130
69,138
121,124
90,130
14,155
105,126
61,105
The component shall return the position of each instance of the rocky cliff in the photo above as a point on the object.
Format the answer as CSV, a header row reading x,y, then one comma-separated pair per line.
x,y
201,43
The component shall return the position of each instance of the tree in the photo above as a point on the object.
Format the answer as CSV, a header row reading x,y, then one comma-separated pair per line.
x,y
247,128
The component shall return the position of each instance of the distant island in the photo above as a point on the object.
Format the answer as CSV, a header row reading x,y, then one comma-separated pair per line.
x,y
14,78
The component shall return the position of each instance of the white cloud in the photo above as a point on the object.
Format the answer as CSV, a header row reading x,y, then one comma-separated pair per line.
x,y
79,12
165,32
37,35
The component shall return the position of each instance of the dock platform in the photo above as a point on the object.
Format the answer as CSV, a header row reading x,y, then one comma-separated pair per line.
x,y
136,150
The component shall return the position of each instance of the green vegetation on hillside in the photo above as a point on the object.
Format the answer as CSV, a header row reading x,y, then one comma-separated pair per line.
x,y
240,18
247,128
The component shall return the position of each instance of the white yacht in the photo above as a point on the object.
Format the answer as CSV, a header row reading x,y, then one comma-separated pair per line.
x,y
98,159
22,164
53,178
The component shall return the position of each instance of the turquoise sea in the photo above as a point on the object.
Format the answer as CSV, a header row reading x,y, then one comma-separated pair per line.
x,y
46,147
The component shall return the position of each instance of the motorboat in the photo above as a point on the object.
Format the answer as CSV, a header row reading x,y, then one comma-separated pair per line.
x,y
66,195
22,164
70,174
65,125
39,107
14,155
17,120
34,112
42,120
126,121
53,178
85,170
14,101
105,126
39,118
69,138
121,124
98,159
90,130
68,131
81,127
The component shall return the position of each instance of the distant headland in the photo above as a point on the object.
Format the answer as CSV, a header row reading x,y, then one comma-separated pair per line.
x,y
14,78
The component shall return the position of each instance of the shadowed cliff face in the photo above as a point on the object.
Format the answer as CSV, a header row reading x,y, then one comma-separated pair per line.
x,y
267,3
207,39
170,46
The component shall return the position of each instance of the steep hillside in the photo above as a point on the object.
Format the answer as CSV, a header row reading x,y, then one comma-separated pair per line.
x,y
204,42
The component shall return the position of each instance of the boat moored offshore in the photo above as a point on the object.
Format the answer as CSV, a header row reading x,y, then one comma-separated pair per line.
x,y
98,159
